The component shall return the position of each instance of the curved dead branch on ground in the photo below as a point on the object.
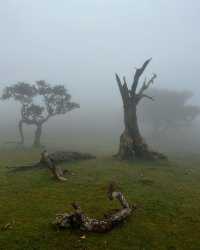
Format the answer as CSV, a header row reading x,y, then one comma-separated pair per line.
x,y
78,219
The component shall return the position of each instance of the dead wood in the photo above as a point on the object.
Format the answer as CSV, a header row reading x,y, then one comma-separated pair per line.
x,y
132,144
55,158
78,219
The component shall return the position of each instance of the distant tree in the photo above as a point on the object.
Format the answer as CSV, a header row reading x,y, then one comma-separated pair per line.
x,y
171,110
131,142
39,102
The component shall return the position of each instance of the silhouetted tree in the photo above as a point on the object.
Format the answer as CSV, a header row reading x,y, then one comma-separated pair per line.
x,y
131,142
55,101
171,110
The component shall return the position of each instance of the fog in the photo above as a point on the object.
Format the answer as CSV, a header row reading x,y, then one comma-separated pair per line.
x,y
81,44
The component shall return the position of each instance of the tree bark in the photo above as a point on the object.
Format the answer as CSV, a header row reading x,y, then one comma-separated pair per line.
x,y
20,127
132,144
38,133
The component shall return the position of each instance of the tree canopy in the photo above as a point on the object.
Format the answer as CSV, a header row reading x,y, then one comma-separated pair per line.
x,y
172,109
39,102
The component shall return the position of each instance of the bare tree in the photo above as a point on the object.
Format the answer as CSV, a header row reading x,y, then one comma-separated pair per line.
x,y
55,100
131,142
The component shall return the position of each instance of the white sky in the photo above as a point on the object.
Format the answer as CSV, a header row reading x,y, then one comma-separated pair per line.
x,y
82,43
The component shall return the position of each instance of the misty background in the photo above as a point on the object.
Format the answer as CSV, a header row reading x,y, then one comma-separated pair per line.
x,y
81,44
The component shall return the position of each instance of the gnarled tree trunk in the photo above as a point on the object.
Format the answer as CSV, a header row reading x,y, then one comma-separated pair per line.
x,y
20,127
131,142
38,133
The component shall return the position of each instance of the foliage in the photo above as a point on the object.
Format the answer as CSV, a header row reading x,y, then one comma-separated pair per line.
x,y
55,100
22,92
172,109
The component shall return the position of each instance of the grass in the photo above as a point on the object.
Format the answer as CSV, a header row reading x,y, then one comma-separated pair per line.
x,y
168,196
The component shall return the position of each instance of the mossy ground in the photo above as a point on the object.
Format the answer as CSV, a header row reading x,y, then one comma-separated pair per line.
x,y
167,194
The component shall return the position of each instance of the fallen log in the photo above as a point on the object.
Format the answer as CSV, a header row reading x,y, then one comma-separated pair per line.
x,y
55,158
78,220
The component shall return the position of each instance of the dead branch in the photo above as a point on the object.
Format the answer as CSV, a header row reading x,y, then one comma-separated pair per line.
x,y
56,157
137,76
146,84
145,96
79,220
27,167
56,170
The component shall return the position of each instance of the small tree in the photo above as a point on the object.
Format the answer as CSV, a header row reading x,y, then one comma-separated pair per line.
x,y
131,142
55,101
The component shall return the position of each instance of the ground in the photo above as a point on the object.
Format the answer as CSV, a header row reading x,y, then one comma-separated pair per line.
x,y
167,194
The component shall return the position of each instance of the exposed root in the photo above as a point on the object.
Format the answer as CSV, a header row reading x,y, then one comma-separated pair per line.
x,y
130,149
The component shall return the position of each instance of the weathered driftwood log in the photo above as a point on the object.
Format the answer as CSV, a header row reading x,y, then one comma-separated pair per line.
x,y
78,220
55,158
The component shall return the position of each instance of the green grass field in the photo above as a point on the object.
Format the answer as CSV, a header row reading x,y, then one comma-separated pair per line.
x,y
167,194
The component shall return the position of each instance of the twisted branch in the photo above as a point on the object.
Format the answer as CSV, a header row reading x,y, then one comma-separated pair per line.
x,y
79,220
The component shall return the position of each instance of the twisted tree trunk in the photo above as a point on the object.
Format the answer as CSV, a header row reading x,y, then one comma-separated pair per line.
x,y
131,142
20,126
21,133
38,133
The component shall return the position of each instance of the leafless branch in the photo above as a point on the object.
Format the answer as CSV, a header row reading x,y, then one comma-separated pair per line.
x,y
137,75
148,97
146,84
